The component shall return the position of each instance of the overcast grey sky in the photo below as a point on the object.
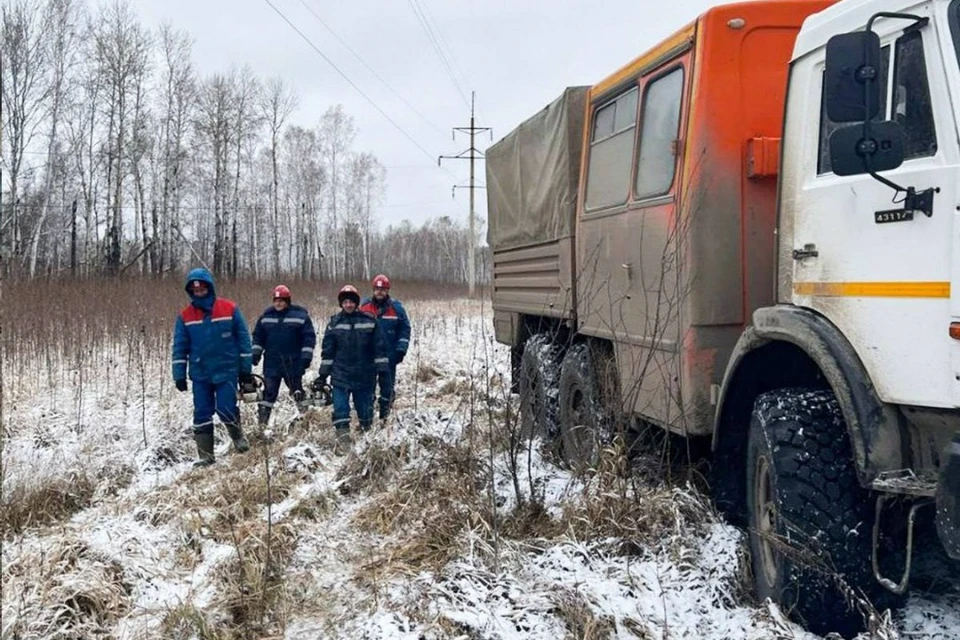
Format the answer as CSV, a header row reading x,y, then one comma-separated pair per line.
x,y
517,55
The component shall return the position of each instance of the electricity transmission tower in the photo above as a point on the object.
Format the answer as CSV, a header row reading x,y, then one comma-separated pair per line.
x,y
471,154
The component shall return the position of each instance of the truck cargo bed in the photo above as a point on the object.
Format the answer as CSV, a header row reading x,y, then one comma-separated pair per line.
x,y
532,177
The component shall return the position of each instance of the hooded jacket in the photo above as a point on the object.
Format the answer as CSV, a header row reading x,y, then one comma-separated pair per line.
x,y
210,337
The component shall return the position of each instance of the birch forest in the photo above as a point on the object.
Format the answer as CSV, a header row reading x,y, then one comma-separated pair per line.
x,y
118,158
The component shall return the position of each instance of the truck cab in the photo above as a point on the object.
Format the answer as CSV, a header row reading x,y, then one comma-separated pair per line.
x,y
866,313
756,242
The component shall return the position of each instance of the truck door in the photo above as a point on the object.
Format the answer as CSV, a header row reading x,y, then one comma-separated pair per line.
x,y
627,241
882,275
950,47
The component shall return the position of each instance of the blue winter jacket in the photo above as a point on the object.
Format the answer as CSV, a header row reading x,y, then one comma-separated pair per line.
x,y
286,339
211,335
353,351
396,325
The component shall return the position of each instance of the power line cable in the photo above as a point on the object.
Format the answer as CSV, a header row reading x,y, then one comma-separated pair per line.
x,y
432,38
352,83
370,69
443,42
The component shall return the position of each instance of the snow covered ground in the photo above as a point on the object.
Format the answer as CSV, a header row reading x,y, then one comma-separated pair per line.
x,y
424,530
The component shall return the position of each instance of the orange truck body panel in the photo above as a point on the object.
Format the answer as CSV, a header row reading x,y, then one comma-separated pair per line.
x,y
708,245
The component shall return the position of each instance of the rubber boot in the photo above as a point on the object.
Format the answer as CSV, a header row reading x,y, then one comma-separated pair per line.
x,y
343,439
365,426
263,415
204,449
239,441
300,399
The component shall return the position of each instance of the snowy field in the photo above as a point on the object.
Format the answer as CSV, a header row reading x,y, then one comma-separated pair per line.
x,y
428,528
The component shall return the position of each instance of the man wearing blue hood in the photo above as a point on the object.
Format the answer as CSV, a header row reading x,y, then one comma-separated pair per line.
x,y
211,335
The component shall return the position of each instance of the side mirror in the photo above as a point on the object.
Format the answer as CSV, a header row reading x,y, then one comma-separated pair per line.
x,y
853,68
851,153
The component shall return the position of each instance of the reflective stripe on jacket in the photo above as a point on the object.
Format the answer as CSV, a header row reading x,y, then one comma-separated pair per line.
x,y
353,350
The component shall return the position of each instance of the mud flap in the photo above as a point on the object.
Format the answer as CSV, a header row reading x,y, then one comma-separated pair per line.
x,y
948,499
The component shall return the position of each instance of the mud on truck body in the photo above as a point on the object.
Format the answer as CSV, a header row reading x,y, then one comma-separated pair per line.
x,y
751,234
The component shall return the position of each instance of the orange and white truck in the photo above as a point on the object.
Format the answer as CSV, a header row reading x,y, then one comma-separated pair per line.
x,y
750,235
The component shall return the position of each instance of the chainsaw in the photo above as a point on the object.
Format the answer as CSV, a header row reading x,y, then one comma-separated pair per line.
x,y
322,397
252,391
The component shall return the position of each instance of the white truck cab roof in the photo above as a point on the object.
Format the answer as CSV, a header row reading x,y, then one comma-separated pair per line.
x,y
844,16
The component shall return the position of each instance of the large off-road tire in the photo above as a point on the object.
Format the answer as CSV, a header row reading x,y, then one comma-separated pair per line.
x,y
586,416
539,391
809,519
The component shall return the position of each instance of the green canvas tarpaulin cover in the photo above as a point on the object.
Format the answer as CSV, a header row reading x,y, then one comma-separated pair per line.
x,y
532,176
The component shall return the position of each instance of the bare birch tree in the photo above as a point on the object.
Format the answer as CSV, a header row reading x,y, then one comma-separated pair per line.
x,y
337,135
24,101
277,102
60,26
122,54
178,96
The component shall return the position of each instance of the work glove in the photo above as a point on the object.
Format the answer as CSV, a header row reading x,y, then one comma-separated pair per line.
x,y
181,384
400,356
256,359
247,379
319,383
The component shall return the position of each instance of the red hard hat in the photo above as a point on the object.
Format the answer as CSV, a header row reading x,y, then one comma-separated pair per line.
x,y
281,291
348,291
381,281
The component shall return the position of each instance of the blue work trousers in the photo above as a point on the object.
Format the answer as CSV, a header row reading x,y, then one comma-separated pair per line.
x,y
271,386
210,398
386,381
362,402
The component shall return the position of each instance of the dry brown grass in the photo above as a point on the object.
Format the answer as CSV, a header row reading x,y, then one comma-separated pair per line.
x,y
231,510
314,507
620,502
186,622
374,470
92,326
51,501
253,588
530,520
581,622
427,509
240,493
69,591
426,372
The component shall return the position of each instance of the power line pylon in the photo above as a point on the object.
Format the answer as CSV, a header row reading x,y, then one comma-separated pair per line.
x,y
471,154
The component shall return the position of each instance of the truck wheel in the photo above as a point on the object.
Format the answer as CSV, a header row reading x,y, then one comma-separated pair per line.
x,y
809,519
539,374
584,418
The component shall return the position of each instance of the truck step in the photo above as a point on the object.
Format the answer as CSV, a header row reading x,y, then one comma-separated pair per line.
x,y
906,482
